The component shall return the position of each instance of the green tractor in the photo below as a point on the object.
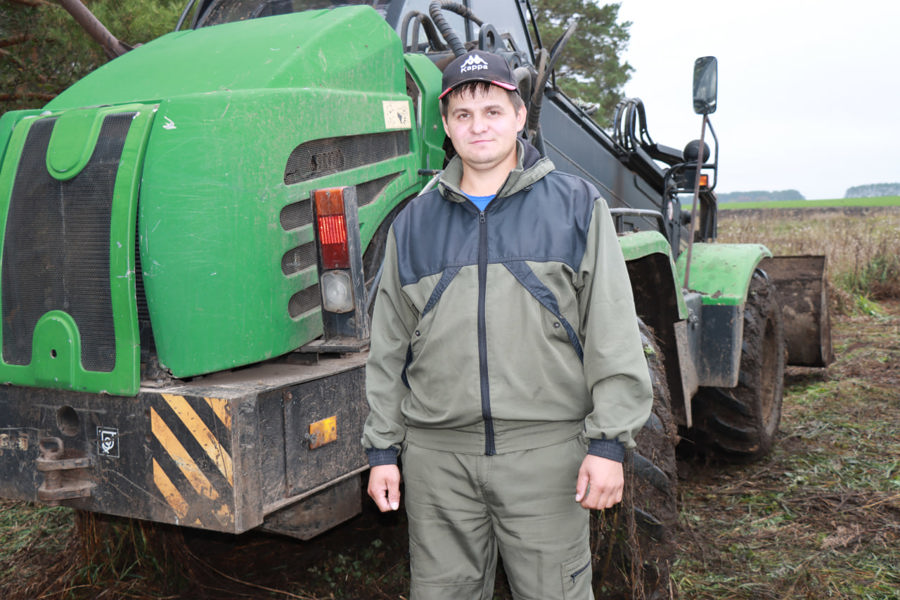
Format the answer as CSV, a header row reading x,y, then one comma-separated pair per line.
x,y
190,238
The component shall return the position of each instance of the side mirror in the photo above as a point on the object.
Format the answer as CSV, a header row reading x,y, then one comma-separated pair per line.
x,y
705,85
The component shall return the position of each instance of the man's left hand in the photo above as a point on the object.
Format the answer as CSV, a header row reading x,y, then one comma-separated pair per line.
x,y
600,483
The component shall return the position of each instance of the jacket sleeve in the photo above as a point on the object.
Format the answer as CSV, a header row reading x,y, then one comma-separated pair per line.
x,y
393,322
615,367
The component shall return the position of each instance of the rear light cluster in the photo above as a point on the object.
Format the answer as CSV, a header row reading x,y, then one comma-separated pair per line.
x,y
341,277
334,280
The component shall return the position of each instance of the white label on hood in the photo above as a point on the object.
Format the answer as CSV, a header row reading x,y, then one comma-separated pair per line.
x,y
396,114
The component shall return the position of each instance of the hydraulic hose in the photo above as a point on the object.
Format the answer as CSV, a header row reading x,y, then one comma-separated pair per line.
x,y
436,8
430,32
544,71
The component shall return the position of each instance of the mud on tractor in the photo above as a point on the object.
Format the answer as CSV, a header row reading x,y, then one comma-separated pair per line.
x,y
191,233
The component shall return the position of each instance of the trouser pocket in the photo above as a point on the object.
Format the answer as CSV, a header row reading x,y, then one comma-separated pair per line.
x,y
576,578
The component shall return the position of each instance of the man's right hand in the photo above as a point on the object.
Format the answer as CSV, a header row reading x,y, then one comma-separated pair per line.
x,y
384,487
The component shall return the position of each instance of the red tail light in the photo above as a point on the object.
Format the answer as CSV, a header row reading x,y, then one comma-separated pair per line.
x,y
332,226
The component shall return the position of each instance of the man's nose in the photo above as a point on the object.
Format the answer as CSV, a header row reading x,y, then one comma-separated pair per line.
x,y
479,123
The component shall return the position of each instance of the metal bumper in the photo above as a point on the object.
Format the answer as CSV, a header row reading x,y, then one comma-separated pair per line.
x,y
220,453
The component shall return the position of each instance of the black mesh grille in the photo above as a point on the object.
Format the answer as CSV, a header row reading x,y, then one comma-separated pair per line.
x,y
57,245
332,155
148,344
304,300
296,215
368,191
299,258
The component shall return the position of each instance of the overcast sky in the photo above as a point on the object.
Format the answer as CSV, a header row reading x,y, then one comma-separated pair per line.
x,y
809,91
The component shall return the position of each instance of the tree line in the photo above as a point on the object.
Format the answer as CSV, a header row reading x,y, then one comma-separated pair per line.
x,y
873,190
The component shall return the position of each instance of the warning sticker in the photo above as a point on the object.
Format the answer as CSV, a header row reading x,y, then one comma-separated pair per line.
x,y
396,114
108,441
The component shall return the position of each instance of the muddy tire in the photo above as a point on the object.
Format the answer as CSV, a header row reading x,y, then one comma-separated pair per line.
x,y
374,254
740,424
634,545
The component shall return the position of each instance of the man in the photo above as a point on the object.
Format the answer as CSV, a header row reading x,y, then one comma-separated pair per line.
x,y
506,362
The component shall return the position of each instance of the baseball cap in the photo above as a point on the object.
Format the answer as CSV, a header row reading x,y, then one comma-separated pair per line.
x,y
477,65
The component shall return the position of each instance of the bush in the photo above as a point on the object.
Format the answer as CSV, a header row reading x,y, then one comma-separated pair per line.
x,y
876,276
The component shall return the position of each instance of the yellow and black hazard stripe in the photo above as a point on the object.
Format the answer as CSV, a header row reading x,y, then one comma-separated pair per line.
x,y
192,459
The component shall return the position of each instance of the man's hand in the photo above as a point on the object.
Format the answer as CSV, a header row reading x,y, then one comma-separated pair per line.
x,y
600,483
384,487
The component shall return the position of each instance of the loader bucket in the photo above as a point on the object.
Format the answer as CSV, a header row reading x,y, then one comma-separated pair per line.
x,y
803,294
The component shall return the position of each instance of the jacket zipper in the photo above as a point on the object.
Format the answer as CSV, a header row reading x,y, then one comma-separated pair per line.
x,y
489,448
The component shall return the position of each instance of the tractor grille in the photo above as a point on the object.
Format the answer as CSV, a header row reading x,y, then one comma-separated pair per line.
x,y
304,300
299,258
296,215
57,247
368,191
319,158
333,155
145,329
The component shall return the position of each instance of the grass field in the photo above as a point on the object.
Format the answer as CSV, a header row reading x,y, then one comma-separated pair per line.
x,y
814,204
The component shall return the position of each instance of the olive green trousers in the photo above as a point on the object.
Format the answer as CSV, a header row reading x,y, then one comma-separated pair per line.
x,y
465,508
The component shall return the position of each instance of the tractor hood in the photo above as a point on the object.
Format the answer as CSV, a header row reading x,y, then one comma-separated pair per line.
x,y
313,49
210,143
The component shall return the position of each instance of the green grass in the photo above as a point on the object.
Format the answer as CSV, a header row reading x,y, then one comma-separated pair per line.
x,y
840,203
24,526
32,540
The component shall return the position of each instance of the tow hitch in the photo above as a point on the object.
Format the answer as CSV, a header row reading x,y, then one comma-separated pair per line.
x,y
65,477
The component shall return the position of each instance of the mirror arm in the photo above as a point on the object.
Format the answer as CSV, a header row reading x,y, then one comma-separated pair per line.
x,y
687,264
715,164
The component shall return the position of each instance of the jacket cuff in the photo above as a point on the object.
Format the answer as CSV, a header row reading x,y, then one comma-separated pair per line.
x,y
378,457
611,449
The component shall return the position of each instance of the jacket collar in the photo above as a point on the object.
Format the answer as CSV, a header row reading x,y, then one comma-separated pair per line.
x,y
530,168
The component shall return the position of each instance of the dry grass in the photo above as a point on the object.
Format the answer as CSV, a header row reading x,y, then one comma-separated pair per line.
x,y
862,246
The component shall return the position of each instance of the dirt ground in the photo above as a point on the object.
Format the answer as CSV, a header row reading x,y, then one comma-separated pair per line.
x,y
819,517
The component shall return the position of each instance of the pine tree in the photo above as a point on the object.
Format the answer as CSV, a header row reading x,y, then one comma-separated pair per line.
x,y
43,50
589,69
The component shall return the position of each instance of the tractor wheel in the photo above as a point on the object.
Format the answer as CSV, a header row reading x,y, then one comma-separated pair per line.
x,y
374,254
633,545
739,424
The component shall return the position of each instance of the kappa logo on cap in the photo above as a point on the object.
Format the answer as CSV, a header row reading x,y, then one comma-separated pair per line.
x,y
473,63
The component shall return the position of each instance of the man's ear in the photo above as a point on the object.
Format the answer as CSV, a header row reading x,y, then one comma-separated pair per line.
x,y
521,118
446,129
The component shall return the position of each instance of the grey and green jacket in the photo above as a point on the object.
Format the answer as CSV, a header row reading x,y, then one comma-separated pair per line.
x,y
507,329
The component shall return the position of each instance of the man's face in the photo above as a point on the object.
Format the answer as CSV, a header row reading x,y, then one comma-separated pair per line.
x,y
483,128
